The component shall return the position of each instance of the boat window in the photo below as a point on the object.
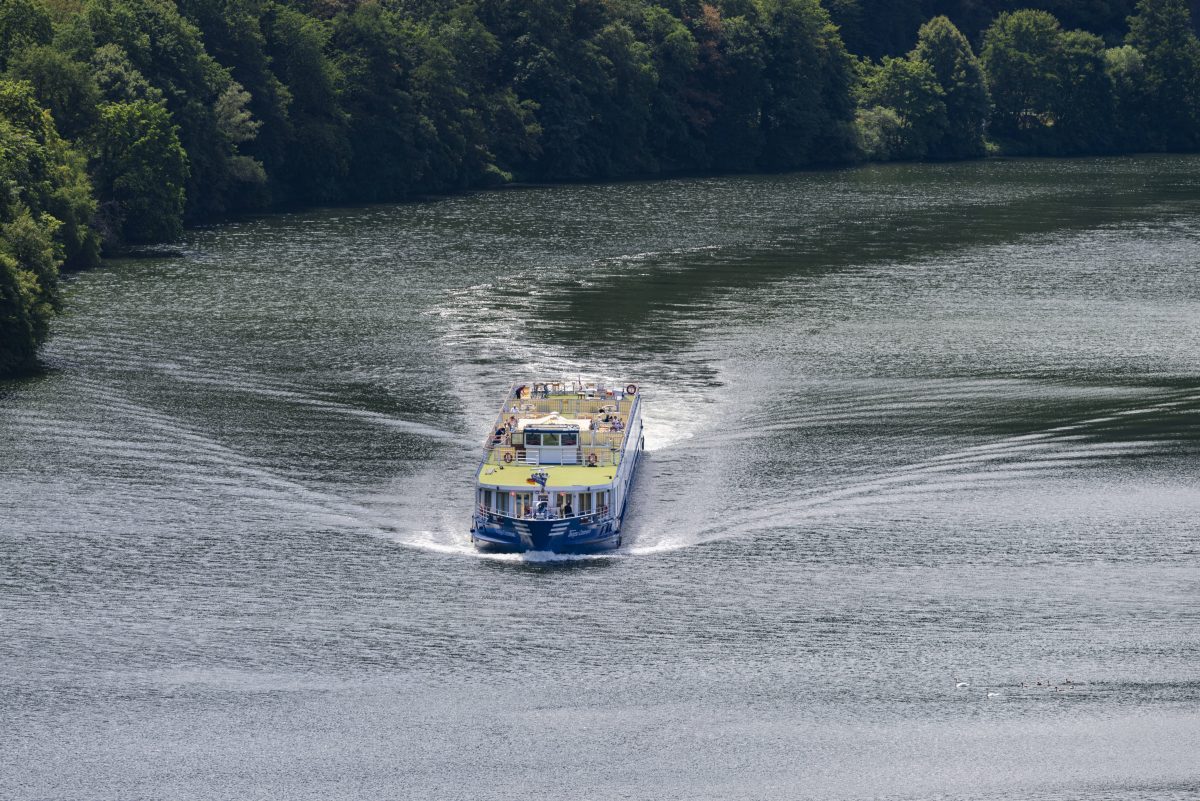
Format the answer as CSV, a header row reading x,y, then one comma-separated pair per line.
x,y
501,503
485,499
570,440
550,439
533,438
565,498
585,503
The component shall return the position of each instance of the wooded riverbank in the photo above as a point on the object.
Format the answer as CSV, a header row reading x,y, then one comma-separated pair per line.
x,y
123,120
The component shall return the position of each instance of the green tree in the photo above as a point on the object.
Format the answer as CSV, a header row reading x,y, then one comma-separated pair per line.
x,y
909,88
234,35
140,169
1022,57
1126,70
1054,90
375,49
877,28
1162,32
499,130
619,136
881,133
168,50
674,135
458,104
64,86
964,88
118,80
553,60
45,202
30,244
808,110
18,344
1084,120
736,73
23,24
316,143
42,172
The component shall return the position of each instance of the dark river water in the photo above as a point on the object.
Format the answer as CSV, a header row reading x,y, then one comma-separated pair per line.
x,y
918,517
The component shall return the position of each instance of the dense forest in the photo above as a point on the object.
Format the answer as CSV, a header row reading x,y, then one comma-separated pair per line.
x,y
123,120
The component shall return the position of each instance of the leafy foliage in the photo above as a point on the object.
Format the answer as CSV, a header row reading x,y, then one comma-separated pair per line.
x,y
140,168
23,24
877,28
910,89
964,88
1084,111
1162,32
1022,54
45,205
122,120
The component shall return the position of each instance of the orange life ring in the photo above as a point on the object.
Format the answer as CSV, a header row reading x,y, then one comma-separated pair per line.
x,y
631,389
508,457
592,460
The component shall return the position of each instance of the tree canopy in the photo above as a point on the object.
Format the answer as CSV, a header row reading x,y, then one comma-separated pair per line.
x,y
325,101
124,120
45,209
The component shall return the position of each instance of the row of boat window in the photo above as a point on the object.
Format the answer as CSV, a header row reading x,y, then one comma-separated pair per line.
x,y
526,504
567,439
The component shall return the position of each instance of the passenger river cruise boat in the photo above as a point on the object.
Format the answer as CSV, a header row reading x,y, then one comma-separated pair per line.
x,y
557,468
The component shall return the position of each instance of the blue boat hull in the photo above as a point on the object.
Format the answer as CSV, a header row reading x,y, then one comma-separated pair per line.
x,y
572,535
557,536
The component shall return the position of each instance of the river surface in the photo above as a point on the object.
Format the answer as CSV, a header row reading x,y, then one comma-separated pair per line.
x,y
919,517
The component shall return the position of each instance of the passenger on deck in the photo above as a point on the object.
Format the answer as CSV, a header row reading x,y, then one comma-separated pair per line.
x,y
567,510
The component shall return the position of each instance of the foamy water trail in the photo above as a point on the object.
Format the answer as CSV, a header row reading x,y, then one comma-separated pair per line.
x,y
989,465
430,510
670,510
185,453
239,380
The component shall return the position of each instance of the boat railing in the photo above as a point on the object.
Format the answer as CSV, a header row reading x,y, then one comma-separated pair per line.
x,y
585,456
590,389
599,514
573,406
600,446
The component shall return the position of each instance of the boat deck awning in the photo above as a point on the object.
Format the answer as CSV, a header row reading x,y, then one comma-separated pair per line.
x,y
554,421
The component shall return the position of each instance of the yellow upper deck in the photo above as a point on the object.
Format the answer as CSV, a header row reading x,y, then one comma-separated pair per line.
x,y
558,475
603,417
